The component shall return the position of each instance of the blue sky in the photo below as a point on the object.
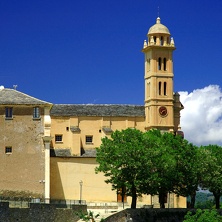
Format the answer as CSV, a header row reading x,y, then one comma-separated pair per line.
x,y
68,51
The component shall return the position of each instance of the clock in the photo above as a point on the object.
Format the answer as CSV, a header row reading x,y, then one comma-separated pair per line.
x,y
163,111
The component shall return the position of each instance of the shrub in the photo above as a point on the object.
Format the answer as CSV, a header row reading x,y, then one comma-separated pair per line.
x,y
203,216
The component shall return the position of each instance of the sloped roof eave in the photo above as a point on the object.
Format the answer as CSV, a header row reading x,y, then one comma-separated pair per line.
x,y
68,110
14,97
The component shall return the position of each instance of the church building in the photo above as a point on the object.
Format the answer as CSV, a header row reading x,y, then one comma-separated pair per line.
x,y
50,149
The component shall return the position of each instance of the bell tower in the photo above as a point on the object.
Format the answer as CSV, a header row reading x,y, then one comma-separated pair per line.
x,y
162,108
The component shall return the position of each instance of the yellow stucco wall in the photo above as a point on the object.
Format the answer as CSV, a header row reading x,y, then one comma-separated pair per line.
x,y
66,173
89,126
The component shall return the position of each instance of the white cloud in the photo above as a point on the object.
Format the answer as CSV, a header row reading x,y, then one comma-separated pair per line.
x,y
201,119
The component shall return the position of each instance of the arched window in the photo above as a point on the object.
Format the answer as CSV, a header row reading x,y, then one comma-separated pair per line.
x,y
159,63
159,88
165,88
164,64
148,64
168,40
154,38
161,40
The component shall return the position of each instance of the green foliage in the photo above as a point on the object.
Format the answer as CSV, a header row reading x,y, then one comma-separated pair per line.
x,y
158,163
163,163
211,169
203,216
123,160
208,204
204,200
88,217
148,163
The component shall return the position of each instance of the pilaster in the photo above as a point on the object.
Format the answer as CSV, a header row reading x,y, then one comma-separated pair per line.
x,y
47,141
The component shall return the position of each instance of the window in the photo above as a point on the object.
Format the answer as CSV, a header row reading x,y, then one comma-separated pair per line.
x,y
165,89
159,63
161,40
154,38
8,112
148,64
89,139
159,88
58,138
164,64
8,149
168,40
36,113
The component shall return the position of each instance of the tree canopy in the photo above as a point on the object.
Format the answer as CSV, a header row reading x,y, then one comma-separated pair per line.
x,y
123,160
203,216
143,162
158,163
211,170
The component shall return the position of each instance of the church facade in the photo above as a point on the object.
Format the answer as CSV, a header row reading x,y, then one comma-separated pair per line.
x,y
53,145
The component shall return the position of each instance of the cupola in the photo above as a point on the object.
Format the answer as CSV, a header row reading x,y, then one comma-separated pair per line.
x,y
158,28
159,35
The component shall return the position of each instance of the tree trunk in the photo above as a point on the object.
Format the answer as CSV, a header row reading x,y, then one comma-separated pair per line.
x,y
217,199
134,197
192,199
162,197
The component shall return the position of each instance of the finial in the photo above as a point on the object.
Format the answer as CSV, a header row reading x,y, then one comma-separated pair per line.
x,y
151,40
172,42
158,11
15,86
144,44
158,20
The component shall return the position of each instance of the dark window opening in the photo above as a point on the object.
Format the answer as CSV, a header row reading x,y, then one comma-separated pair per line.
x,y
161,40
164,64
8,112
154,38
8,149
89,139
165,89
159,63
159,88
58,138
36,113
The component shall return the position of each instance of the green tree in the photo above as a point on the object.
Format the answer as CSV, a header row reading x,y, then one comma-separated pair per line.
x,y
175,166
211,170
148,163
203,216
163,164
187,176
124,162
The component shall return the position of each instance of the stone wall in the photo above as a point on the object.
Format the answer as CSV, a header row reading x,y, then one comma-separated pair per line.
x,y
149,215
24,135
40,212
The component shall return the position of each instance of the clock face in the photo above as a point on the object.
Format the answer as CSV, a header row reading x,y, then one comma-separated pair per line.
x,y
163,111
